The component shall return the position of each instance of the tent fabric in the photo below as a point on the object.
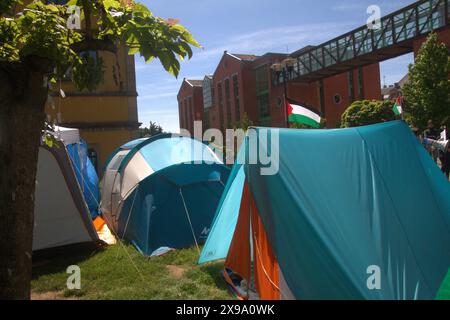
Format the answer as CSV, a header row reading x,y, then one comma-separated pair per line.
x,y
61,216
164,150
238,258
86,175
67,136
224,224
266,267
343,201
156,192
153,215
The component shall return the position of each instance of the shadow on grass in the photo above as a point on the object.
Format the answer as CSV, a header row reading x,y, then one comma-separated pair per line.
x,y
50,261
214,270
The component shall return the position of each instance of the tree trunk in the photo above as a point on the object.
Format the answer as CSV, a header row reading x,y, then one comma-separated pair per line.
x,y
23,94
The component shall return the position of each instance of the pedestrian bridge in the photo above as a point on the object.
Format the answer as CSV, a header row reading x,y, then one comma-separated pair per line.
x,y
364,45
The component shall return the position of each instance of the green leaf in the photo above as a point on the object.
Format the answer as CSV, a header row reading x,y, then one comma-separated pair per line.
x,y
133,51
52,8
48,141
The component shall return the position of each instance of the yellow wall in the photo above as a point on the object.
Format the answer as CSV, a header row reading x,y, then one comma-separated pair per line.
x,y
106,141
91,109
107,117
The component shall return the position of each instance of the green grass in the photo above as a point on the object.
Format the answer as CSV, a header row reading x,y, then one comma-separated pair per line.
x,y
444,292
110,274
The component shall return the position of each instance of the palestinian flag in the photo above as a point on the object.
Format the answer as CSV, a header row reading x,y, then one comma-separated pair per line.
x,y
397,108
297,112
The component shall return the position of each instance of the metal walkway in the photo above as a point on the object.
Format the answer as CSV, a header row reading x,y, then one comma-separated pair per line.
x,y
364,46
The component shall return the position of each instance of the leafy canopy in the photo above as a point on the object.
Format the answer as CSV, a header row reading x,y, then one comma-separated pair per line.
x,y
427,92
366,112
42,30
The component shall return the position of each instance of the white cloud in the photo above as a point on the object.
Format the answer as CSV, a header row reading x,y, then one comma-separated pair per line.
x,y
276,39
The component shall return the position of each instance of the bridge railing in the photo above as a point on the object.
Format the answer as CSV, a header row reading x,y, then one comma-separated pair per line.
x,y
415,20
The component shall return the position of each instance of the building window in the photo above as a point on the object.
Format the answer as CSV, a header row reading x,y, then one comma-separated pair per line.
x,y
228,102
337,98
206,122
220,98
360,84
262,92
186,116
191,114
180,112
351,87
279,102
207,93
322,96
237,105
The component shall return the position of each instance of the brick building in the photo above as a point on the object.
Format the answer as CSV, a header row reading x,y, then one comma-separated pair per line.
x,y
190,103
233,86
242,86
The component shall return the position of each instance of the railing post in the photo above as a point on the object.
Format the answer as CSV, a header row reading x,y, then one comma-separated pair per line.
x,y
394,35
446,12
416,9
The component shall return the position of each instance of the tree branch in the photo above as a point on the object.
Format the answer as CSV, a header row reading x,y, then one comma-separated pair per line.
x,y
87,17
94,45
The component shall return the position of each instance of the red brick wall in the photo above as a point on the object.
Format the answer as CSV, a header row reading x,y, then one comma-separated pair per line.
x,y
227,68
302,92
443,36
372,82
335,86
192,98
339,85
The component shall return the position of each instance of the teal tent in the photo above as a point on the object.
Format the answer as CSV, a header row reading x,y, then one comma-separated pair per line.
x,y
162,192
359,213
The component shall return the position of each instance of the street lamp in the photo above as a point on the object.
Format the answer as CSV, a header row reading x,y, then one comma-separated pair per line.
x,y
284,69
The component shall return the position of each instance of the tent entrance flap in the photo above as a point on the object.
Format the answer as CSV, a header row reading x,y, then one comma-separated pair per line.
x,y
238,258
243,274
265,265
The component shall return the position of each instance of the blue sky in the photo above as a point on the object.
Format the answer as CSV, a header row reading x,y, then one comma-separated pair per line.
x,y
248,26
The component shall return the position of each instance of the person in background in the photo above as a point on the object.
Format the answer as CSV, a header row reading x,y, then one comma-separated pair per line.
x,y
431,133
415,131
444,156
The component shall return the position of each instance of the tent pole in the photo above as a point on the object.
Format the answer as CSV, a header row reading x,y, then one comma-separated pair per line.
x,y
189,220
129,213
120,242
249,226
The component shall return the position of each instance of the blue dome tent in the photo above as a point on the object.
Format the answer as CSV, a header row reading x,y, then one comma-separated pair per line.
x,y
162,192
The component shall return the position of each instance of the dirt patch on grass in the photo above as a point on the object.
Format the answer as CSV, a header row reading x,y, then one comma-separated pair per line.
x,y
176,271
50,295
